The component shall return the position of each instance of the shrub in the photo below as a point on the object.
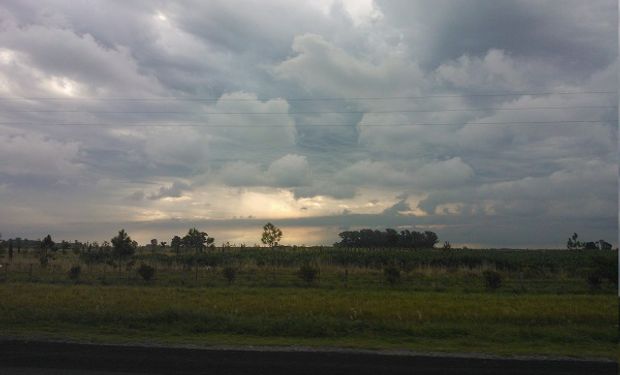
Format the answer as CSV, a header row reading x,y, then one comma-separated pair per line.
x,y
308,273
392,274
130,264
594,280
44,260
229,274
74,272
606,268
492,279
146,272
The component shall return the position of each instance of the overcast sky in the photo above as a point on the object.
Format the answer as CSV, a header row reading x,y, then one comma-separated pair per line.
x,y
109,119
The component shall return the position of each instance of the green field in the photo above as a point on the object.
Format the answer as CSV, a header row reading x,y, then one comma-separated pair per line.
x,y
545,304
522,271
498,323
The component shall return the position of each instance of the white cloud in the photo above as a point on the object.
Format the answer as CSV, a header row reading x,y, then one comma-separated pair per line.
x,y
443,174
290,171
175,190
241,173
320,66
495,71
32,154
240,158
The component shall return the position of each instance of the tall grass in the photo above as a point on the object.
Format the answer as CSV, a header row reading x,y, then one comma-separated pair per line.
x,y
562,324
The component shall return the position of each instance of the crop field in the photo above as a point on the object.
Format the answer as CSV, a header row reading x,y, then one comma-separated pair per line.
x,y
545,303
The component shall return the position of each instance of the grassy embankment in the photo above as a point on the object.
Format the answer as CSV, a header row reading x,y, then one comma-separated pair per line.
x,y
458,271
501,323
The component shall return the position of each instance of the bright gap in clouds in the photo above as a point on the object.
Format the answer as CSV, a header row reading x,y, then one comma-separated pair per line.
x,y
360,11
160,16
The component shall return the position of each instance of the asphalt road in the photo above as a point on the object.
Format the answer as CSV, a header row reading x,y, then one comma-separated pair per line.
x,y
50,358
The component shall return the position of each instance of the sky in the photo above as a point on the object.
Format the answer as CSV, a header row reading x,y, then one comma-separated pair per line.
x,y
491,123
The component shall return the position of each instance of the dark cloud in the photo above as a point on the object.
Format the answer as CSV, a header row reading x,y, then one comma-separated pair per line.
x,y
580,36
397,208
258,152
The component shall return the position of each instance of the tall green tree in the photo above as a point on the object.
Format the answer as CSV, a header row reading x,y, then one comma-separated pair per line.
x,y
197,240
271,235
122,246
176,243
47,245
10,250
573,242
154,245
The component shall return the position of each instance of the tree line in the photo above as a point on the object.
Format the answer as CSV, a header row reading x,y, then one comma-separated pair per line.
x,y
388,238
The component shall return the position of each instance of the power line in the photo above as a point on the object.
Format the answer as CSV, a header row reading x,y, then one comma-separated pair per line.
x,y
187,98
317,112
202,125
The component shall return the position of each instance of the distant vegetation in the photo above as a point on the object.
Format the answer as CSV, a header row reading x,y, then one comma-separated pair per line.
x,y
372,289
390,238
195,260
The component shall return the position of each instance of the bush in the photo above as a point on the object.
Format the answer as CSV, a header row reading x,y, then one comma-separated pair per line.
x,y
308,273
594,280
44,260
492,279
392,274
606,269
146,272
74,272
130,264
229,274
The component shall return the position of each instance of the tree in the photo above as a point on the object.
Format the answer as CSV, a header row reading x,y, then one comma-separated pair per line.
x,y
153,245
271,235
10,249
573,242
430,239
64,246
176,244
390,238
123,246
197,240
46,245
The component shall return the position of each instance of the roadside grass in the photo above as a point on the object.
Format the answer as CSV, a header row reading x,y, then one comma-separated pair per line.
x,y
500,323
420,278
454,271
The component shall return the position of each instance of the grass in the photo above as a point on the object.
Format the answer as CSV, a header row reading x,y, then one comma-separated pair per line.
x,y
522,271
544,305
421,278
501,323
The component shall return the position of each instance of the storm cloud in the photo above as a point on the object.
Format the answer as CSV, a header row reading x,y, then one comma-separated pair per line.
x,y
491,123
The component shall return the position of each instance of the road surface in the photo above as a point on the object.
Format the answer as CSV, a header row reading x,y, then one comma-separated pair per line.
x,y
54,358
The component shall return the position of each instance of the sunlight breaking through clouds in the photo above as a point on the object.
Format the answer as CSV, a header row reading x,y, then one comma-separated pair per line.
x,y
339,114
